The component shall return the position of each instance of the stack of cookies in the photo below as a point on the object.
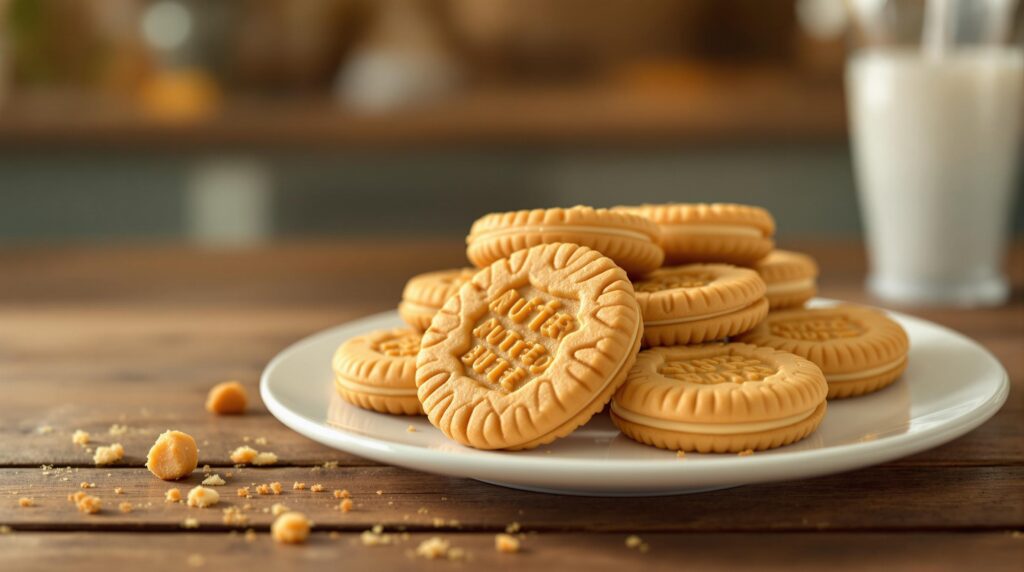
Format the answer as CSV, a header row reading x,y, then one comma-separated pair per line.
x,y
683,317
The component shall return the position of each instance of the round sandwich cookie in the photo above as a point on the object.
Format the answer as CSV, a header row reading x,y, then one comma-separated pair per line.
x,y
790,277
424,295
719,398
530,348
699,302
378,371
718,232
860,350
629,240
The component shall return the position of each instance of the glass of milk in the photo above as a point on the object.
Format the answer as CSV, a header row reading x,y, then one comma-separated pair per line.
x,y
935,99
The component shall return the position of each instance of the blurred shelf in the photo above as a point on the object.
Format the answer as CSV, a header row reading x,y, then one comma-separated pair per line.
x,y
754,108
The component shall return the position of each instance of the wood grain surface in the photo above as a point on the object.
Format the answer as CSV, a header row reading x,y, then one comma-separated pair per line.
x,y
135,336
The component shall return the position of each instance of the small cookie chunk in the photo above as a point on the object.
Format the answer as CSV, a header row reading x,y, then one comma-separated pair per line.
x,y
860,349
531,348
290,528
790,278
378,371
424,295
203,497
629,240
699,302
174,455
717,232
720,398
226,398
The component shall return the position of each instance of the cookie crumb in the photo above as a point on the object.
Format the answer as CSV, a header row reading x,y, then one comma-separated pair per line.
x,y
264,458
746,453
375,536
243,455
345,505
117,430
330,465
118,490
634,542
278,509
263,489
190,523
44,429
172,495
88,504
80,437
433,548
242,492
290,528
108,455
380,493
316,488
512,528
4,529
410,429
869,437
233,516
25,502
506,543
250,535
260,440
174,455
276,487
125,507
214,481
681,454
203,497
87,485
226,398
297,486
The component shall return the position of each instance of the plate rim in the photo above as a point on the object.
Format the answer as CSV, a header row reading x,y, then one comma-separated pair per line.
x,y
811,462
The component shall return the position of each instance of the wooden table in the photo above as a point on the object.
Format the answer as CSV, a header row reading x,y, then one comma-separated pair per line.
x,y
96,336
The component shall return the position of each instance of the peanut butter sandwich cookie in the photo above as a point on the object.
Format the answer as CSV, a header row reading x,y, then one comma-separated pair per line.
x,y
720,398
529,349
378,371
629,240
424,295
719,232
790,277
699,302
859,349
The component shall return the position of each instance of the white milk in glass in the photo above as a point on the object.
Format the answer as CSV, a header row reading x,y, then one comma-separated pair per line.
x,y
935,150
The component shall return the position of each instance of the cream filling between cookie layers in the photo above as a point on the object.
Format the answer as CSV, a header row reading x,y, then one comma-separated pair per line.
x,y
561,228
790,286
420,308
363,388
866,372
688,319
709,428
716,229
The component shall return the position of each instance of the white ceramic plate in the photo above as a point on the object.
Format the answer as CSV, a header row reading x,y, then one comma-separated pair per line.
x,y
951,386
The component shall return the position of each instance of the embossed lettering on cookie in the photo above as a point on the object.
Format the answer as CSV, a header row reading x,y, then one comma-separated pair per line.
x,y
530,349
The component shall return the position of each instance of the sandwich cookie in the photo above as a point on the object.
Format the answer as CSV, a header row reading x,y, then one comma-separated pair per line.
x,y
530,348
790,277
720,398
378,371
699,302
424,295
629,240
860,350
719,232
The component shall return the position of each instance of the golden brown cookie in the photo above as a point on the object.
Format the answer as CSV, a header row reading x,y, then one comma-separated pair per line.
x,y
629,240
720,398
378,371
699,302
790,277
529,349
424,295
860,350
718,232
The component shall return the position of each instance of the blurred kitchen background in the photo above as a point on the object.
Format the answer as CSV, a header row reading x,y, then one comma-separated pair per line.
x,y
237,121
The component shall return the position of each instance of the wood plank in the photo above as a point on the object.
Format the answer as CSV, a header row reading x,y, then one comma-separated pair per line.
x,y
890,498
694,552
